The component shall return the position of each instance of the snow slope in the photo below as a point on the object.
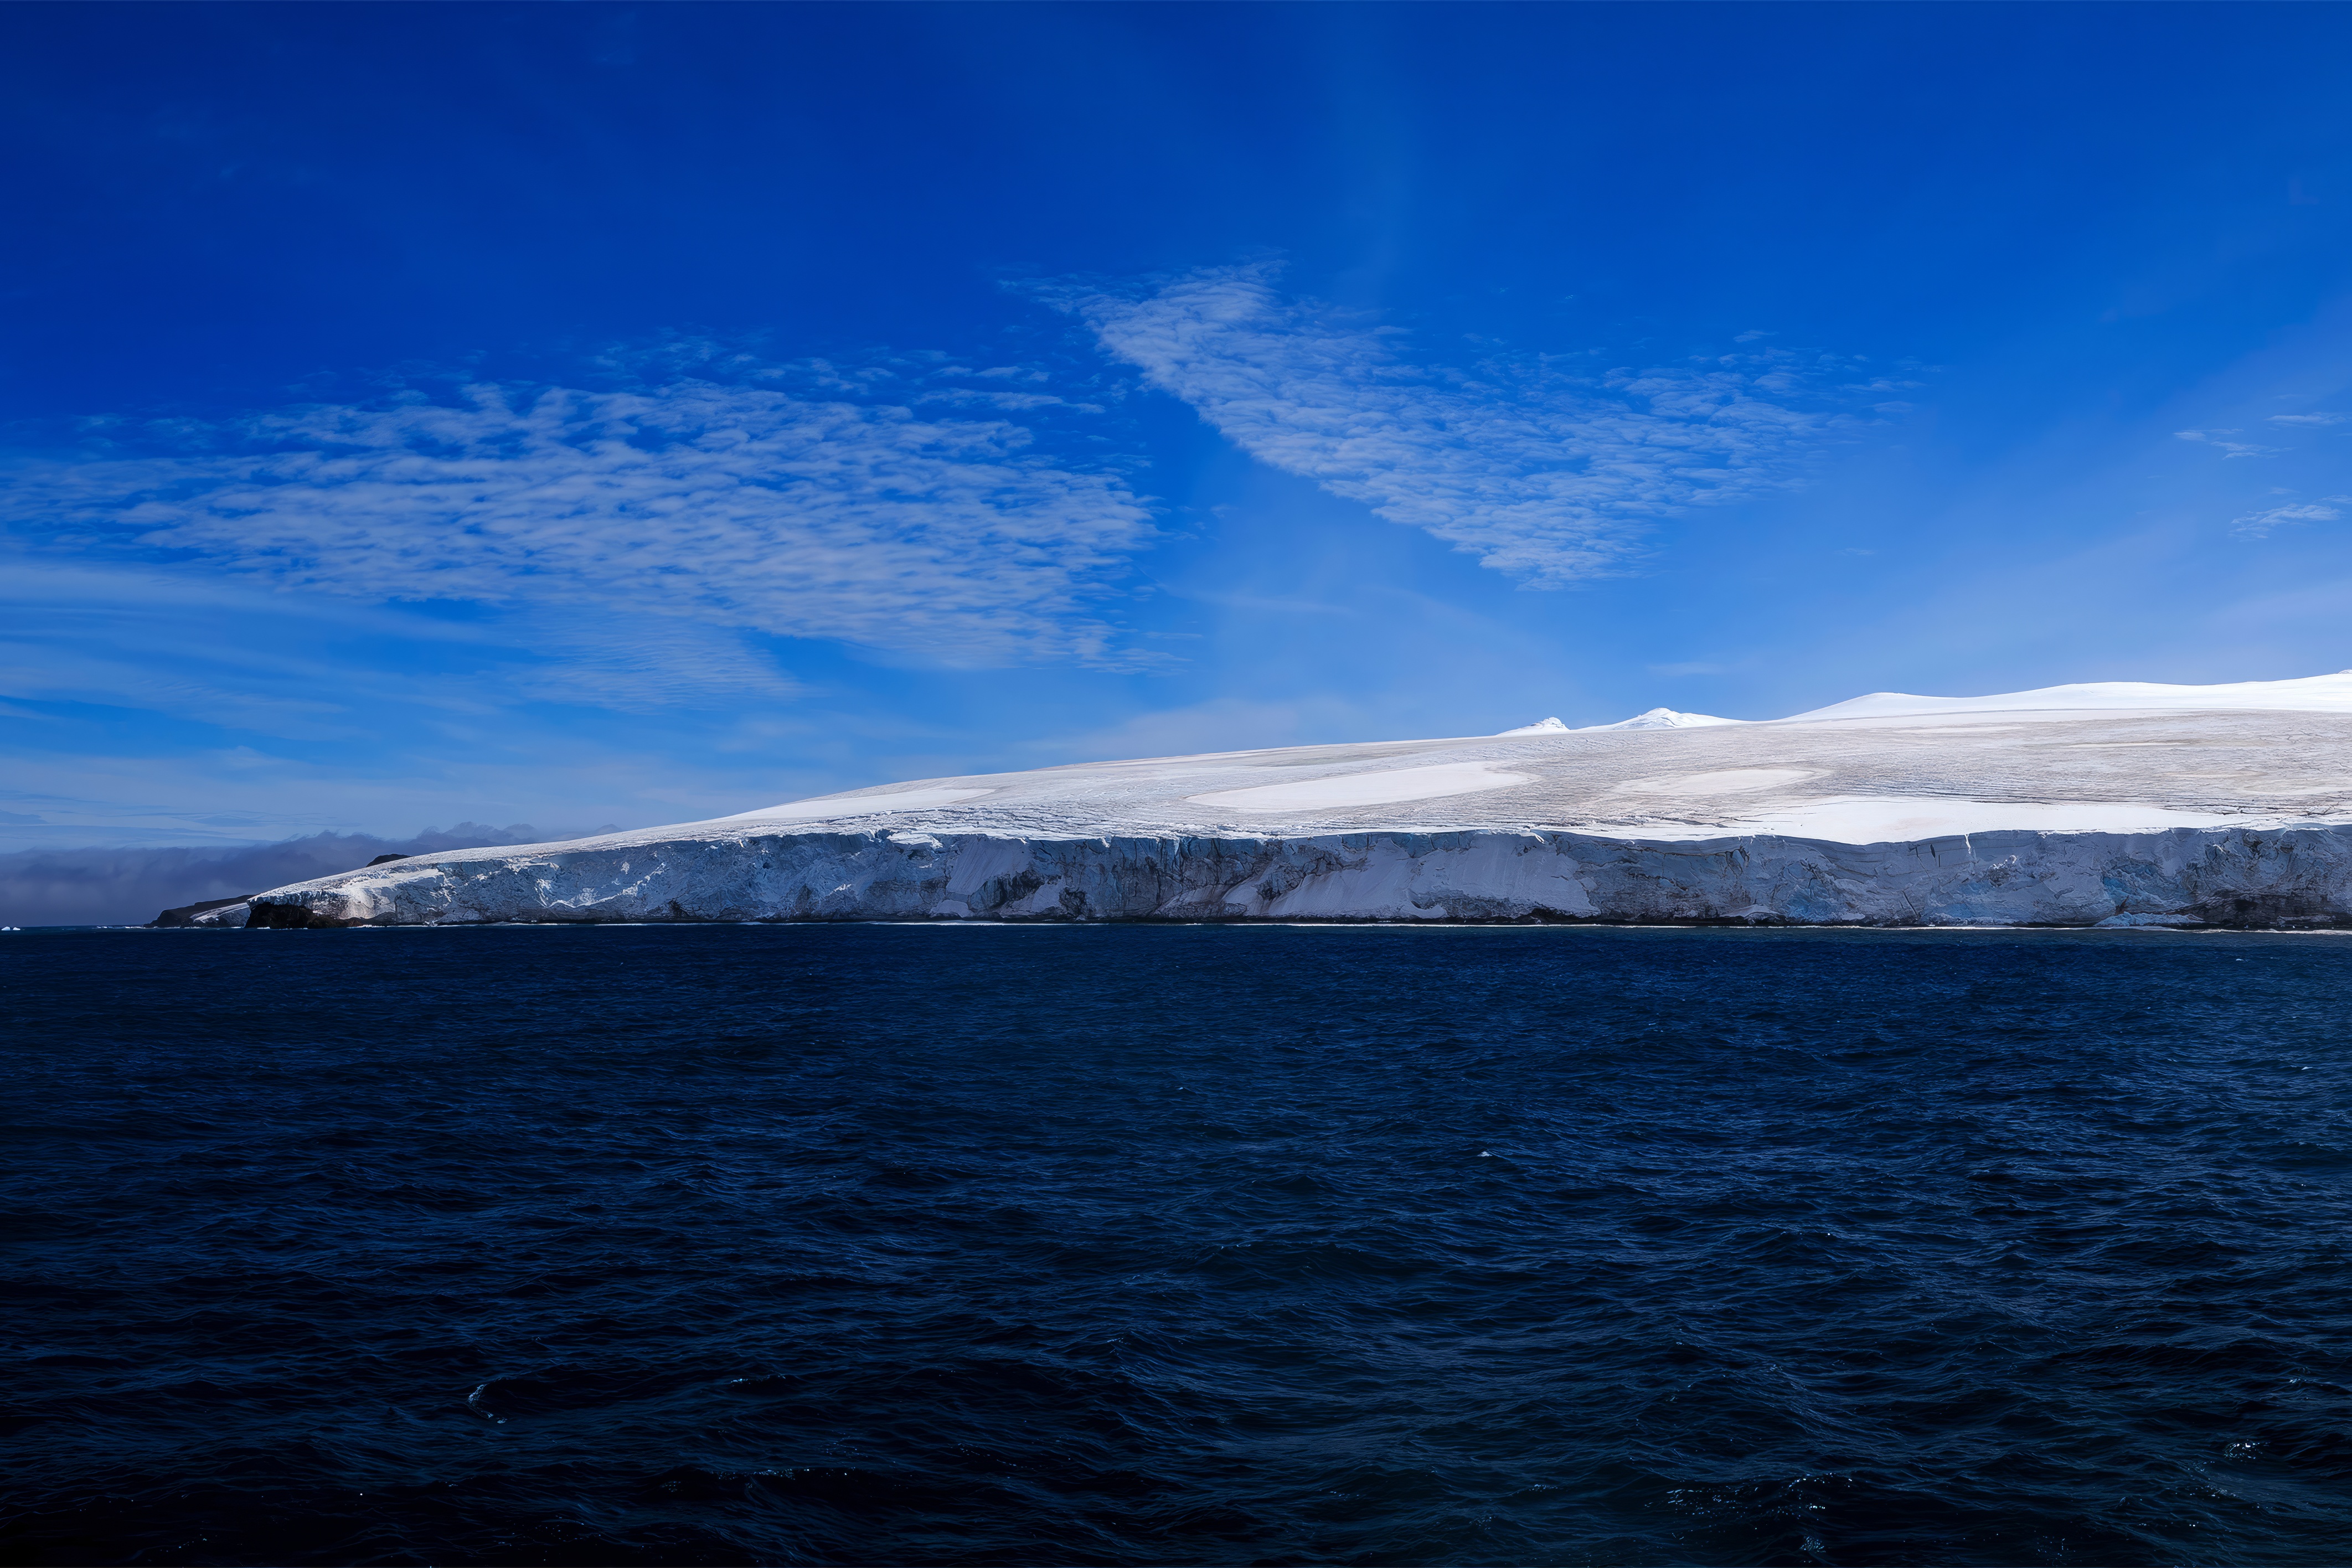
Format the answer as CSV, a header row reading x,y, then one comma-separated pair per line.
x,y
2309,694
2084,804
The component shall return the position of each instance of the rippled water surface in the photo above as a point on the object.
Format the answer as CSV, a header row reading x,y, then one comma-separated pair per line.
x,y
1193,1245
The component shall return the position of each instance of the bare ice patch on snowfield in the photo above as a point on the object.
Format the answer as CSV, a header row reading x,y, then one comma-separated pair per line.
x,y
1899,819
1725,781
858,806
1346,791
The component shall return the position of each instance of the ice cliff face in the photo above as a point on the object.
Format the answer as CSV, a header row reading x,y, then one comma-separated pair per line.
x,y
2228,878
2022,810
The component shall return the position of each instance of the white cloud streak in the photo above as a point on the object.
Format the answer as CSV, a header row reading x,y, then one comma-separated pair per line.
x,y
2258,525
2227,448
739,505
1538,470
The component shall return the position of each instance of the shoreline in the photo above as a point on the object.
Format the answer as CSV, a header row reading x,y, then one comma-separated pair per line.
x,y
1246,923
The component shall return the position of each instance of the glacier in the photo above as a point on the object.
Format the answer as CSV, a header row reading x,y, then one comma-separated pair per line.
x,y
2122,804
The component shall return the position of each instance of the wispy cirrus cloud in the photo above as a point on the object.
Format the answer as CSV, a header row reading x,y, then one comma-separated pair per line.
x,y
2259,524
1544,469
827,508
2218,440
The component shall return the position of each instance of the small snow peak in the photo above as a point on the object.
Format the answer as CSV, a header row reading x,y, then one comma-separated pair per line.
x,y
1665,719
1542,727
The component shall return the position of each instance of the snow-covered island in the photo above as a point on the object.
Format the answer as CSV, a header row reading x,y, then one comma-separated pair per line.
x,y
2110,805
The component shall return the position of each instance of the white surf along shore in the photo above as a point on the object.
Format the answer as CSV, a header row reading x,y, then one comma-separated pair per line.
x,y
2118,803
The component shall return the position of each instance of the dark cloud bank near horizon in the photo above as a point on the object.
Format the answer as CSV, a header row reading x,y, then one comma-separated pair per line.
x,y
131,886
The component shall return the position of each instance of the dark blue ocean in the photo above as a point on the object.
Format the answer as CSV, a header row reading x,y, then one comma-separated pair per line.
x,y
933,1244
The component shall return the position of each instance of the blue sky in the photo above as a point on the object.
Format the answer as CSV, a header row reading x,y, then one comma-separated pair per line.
x,y
611,414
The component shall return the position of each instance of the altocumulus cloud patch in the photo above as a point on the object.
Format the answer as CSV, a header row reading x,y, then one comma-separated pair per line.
x,y
1538,470
907,504
744,505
